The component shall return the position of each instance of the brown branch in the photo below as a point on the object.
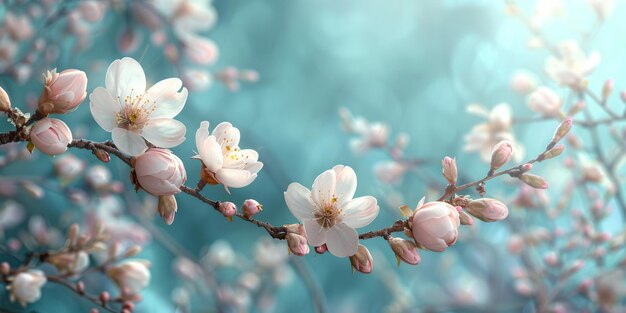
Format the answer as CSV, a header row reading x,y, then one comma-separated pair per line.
x,y
96,300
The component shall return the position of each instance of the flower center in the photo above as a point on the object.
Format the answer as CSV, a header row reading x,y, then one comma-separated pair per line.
x,y
135,112
329,215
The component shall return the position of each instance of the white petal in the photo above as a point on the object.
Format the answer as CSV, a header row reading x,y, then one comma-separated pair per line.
x,y
234,178
342,240
315,233
360,212
211,154
227,135
103,108
324,189
254,167
128,142
125,77
345,185
169,102
164,132
298,199
201,135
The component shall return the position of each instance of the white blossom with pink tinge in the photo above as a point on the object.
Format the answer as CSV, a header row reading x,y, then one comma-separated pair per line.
x,y
329,213
225,162
572,66
497,127
133,114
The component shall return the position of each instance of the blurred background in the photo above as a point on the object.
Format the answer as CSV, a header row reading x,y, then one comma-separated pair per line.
x,y
414,66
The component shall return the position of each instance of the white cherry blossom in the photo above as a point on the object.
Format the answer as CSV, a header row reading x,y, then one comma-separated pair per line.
x,y
224,162
329,213
572,66
131,113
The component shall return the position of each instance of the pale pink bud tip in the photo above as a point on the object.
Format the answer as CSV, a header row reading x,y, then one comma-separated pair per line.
x,y
487,210
534,181
502,153
449,170
405,250
251,207
160,172
167,208
297,244
228,209
51,136
63,92
561,131
362,261
5,102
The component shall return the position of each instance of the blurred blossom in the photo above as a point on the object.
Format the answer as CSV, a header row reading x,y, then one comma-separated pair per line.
x,y
524,82
131,276
220,253
26,286
390,172
497,127
572,66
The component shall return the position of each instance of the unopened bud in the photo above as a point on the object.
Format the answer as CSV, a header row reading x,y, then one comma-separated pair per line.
x,y
295,228
526,167
5,268
104,298
405,250
362,261
297,244
465,218
102,155
552,153
501,154
487,209
167,208
80,288
5,102
251,207
534,181
72,234
560,132
607,89
228,209
551,259
449,170
132,251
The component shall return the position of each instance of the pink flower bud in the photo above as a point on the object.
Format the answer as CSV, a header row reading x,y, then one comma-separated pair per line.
x,y
160,172
251,207
405,250
63,92
167,208
527,167
435,225
534,181
561,131
501,154
551,259
5,101
487,210
552,153
104,298
297,244
545,101
362,261
51,136
228,209
131,276
449,170
465,218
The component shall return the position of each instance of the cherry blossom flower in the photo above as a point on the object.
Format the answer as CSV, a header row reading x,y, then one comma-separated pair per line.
x,y
572,66
329,213
26,286
497,127
222,159
131,113
131,275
